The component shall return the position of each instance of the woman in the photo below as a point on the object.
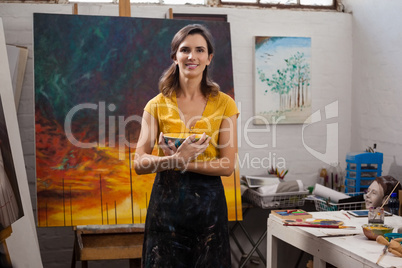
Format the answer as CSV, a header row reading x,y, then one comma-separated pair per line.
x,y
186,224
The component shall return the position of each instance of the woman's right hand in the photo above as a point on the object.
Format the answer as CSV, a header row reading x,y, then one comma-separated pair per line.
x,y
190,150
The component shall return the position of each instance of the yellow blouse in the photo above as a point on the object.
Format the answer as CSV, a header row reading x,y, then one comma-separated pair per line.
x,y
166,112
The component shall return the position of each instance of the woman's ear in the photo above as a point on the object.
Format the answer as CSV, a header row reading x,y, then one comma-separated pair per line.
x,y
210,59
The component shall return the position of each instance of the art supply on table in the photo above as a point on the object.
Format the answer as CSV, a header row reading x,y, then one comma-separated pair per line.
x,y
317,223
323,176
339,177
393,246
344,213
376,215
319,226
393,204
364,213
383,253
328,193
372,231
330,177
390,236
386,200
291,214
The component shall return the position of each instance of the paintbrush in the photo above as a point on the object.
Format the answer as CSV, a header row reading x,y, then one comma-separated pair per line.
x,y
381,240
321,226
382,255
386,200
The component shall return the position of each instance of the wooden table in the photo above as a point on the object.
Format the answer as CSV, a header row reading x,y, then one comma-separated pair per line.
x,y
108,242
339,247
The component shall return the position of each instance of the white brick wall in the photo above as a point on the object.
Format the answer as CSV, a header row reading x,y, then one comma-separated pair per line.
x,y
377,93
331,34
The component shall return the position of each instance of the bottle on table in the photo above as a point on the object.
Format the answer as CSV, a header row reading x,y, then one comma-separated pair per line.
x,y
393,204
339,178
323,177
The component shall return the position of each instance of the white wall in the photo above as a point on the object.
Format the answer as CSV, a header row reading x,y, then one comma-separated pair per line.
x,y
331,34
377,79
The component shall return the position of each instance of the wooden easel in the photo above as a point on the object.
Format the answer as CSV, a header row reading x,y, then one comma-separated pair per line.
x,y
108,242
170,13
124,8
4,234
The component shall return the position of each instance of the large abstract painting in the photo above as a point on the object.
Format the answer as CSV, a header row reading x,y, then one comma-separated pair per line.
x,y
93,77
282,80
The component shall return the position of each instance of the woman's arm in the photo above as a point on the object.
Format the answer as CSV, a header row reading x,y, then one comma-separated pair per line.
x,y
224,165
145,162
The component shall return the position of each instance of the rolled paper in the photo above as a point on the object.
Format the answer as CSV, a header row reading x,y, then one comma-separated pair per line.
x,y
328,193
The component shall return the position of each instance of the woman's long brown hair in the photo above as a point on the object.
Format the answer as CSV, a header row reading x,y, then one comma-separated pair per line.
x,y
169,80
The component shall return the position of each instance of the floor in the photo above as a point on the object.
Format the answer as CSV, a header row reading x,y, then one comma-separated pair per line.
x,y
255,224
254,262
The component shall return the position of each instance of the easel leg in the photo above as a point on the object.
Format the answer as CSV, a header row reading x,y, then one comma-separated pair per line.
x,y
73,258
6,260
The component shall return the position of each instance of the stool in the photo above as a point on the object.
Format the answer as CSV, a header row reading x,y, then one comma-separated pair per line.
x,y
108,242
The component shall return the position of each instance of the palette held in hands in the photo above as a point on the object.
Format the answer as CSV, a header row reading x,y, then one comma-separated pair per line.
x,y
179,138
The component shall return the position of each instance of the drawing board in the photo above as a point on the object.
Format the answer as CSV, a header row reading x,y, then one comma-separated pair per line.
x,y
22,244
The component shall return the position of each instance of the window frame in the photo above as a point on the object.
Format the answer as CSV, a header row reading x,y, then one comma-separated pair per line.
x,y
281,6
200,17
221,4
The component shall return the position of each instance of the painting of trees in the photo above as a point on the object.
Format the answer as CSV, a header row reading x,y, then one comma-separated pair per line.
x,y
283,79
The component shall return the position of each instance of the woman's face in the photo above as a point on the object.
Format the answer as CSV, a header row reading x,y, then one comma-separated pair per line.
x,y
375,195
192,56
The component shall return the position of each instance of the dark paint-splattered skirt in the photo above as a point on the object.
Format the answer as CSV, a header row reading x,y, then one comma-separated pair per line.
x,y
187,222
